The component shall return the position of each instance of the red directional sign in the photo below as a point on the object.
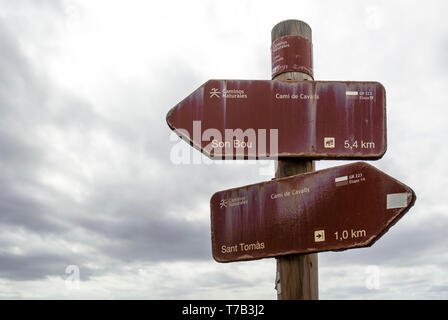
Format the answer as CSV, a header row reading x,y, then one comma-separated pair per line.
x,y
262,118
343,207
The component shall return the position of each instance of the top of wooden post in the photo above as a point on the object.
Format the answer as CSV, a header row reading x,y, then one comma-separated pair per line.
x,y
291,28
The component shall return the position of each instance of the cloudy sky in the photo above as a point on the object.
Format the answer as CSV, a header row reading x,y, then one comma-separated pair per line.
x,y
88,185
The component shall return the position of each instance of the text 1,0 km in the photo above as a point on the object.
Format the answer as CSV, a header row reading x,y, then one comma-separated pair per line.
x,y
362,145
350,234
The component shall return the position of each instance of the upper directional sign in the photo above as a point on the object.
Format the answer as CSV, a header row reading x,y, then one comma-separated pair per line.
x,y
334,209
258,119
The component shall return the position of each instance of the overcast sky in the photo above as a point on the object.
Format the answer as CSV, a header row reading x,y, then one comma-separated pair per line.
x,y
86,177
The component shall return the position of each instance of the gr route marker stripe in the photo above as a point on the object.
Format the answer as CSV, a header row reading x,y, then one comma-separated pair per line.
x,y
307,213
341,179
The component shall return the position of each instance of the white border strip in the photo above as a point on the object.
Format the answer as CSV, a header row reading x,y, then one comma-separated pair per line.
x,y
397,200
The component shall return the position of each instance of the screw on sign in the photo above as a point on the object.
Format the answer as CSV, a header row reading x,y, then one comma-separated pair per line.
x,y
265,118
344,207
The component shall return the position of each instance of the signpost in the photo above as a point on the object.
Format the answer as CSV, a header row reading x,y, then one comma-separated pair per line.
x,y
296,120
266,118
297,275
344,207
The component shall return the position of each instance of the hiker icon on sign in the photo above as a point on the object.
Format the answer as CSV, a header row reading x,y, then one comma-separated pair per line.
x,y
214,93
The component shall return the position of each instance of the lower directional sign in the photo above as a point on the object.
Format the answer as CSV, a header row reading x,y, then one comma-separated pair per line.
x,y
340,208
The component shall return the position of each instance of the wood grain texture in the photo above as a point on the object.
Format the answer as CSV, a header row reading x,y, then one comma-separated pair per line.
x,y
297,275
291,28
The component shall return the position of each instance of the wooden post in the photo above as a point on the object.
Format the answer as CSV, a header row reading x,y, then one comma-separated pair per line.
x,y
297,275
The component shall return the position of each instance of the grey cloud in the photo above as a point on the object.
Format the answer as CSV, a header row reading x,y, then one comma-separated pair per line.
x,y
16,151
140,228
18,209
28,100
439,289
227,280
19,155
153,239
16,267
40,265
25,105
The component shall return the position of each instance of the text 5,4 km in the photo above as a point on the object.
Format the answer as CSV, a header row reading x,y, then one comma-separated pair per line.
x,y
362,145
